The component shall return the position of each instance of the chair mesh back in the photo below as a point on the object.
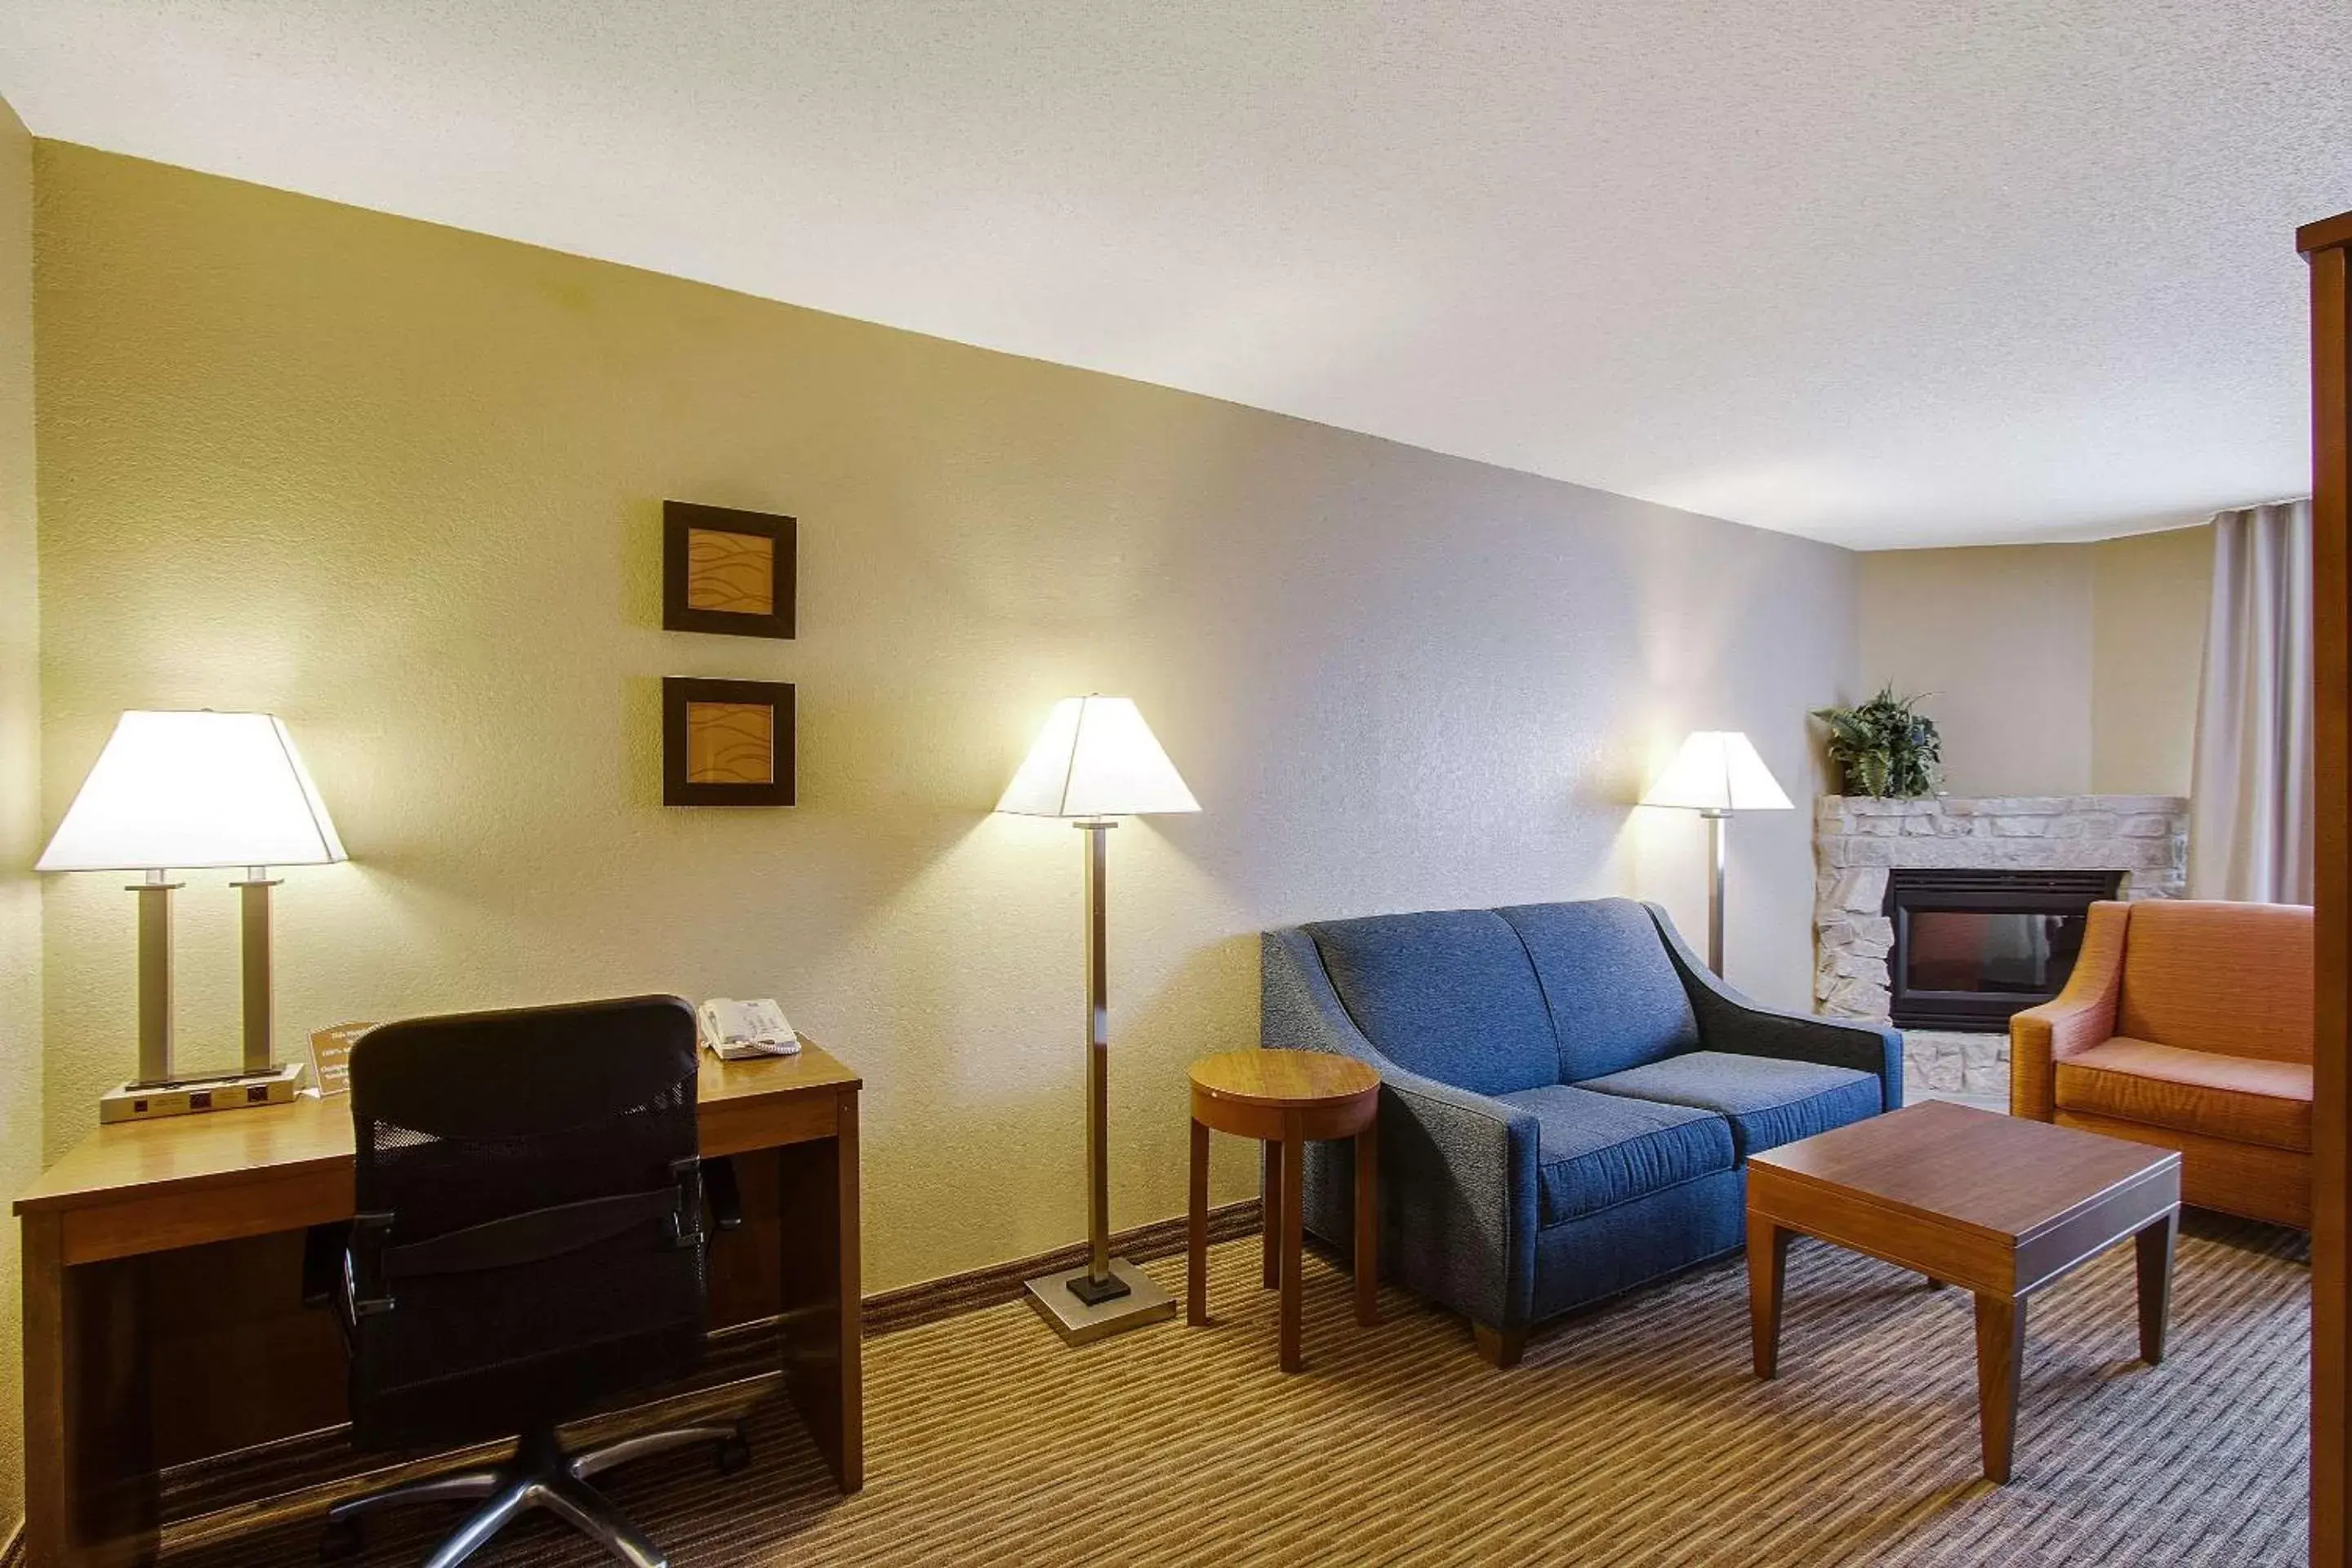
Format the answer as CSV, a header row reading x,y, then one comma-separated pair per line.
x,y
471,1120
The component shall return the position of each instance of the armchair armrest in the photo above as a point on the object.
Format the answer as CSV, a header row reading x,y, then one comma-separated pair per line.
x,y
2081,1016
1729,1021
1457,1169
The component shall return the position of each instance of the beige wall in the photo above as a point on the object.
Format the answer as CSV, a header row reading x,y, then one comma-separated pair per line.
x,y
2054,668
400,484
20,752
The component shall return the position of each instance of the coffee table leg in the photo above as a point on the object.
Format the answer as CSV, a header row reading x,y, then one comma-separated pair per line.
x,y
1293,1161
2001,1366
1368,1225
1196,1262
2154,1244
1269,1217
1767,1270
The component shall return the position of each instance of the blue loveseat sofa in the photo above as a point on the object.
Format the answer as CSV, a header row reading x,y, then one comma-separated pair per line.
x,y
1567,1096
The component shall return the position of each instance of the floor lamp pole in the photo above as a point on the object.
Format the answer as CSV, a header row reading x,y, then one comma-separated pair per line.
x,y
1714,822
1100,1285
1104,1294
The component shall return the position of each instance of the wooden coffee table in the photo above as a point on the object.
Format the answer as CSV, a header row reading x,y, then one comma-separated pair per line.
x,y
1283,1099
1996,1204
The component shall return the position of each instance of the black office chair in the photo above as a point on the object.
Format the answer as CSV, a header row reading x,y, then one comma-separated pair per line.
x,y
528,1244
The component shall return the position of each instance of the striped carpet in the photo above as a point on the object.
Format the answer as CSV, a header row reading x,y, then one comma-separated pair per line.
x,y
1632,1435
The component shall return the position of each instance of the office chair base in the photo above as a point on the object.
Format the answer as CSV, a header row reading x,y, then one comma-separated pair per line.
x,y
541,1475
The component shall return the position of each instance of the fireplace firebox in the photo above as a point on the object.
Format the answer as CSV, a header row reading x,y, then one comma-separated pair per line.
x,y
1971,947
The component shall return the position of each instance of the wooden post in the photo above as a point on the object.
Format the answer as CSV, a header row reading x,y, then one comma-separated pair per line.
x,y
2329,247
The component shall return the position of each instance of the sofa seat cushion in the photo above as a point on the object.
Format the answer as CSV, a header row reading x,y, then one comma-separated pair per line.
x,y
1596,1150
1767,1101
2242,1098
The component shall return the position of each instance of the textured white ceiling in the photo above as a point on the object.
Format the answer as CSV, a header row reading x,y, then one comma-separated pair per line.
x,y
1879,272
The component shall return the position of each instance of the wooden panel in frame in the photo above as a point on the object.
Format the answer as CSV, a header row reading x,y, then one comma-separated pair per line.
x,y
729,571
727,742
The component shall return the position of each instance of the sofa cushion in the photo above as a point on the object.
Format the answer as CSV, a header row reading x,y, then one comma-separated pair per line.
x,y
1616,999
1596,1150
1449,994
1767,1101
2242,1099
2229,978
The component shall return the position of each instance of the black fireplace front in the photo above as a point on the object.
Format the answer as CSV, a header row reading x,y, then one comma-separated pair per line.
x,y
1973,947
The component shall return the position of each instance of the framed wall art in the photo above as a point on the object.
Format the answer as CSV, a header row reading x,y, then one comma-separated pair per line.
x,y
729,572
727,742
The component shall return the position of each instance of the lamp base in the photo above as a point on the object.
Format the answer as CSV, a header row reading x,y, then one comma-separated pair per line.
x,y
213,1091
1081,1323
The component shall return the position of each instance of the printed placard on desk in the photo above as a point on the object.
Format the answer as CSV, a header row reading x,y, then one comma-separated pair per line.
x,y
331,1056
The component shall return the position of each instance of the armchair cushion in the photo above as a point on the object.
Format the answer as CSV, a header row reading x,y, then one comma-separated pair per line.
x,y
2242,1099
2208,977
1616,1001
1449,995
1593,1151
1769,1100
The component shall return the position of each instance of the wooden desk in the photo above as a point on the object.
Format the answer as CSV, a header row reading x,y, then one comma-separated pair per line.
x,y
162,1315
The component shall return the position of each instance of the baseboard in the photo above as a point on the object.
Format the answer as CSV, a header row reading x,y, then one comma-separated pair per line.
x,y
935,1299
230,1494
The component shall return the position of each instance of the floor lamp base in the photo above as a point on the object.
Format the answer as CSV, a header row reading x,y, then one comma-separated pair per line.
x,y
1080,1323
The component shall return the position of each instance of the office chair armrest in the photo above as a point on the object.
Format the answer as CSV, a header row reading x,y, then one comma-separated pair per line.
x,y
725,1195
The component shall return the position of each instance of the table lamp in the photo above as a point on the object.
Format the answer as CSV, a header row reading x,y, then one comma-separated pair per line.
x,y
196,791
1715,773
1096,759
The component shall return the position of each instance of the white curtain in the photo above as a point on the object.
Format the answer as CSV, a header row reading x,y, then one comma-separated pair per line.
x,y
2249,822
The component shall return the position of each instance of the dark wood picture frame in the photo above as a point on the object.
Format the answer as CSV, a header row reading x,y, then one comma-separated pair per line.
x,y
726,737
729,572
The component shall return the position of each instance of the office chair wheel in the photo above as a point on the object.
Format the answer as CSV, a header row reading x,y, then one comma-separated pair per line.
x,y
340,1540
735,1453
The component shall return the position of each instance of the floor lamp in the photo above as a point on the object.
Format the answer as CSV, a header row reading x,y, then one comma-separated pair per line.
x,y
1715,773
1096,759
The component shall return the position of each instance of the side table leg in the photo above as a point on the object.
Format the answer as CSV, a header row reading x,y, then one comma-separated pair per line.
x,y
1269,1217
1196,1264
2154,1244
1767,1272
1368,1225
1293,1161
2001,1366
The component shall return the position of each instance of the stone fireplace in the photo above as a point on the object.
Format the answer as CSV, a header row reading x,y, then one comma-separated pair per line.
x,y
2059,846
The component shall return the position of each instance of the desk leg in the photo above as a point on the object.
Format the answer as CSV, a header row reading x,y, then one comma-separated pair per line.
x,y
91,1496
824,1366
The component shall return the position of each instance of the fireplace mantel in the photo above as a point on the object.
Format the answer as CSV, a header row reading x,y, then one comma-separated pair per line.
x,y
1857,839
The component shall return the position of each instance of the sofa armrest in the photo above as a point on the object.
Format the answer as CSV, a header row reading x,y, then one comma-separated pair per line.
x,y
1457,1169
2081,1016
1729,1021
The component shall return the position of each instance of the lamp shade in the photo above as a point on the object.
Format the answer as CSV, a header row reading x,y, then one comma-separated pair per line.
x,y
1095,757
192,791
1717,770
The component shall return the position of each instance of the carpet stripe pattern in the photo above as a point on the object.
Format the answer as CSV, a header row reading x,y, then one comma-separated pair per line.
x,y
1635,1435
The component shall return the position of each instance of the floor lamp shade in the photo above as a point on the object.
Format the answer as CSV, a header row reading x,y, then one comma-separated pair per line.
x,y
1715,773
1094,760
193,791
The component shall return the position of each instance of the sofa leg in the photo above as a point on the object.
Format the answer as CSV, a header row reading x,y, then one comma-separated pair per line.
x,y
1501,1348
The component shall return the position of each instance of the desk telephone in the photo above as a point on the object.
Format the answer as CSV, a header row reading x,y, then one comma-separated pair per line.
x,y
738,1029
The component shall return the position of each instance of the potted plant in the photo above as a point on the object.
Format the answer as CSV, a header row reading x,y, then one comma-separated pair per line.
x,y
1886,747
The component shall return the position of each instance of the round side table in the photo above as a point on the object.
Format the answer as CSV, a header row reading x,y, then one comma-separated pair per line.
x,y
1282,1098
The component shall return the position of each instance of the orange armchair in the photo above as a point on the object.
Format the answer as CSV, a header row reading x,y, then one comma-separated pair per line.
x,y
2187,1026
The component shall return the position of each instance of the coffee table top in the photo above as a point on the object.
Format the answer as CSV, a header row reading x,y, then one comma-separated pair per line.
x,y
2001,1175
1286,1079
